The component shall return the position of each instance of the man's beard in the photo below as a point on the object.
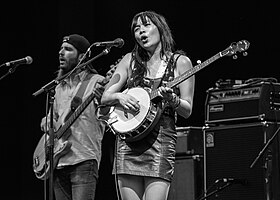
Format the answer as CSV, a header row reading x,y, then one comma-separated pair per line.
x,y
64,70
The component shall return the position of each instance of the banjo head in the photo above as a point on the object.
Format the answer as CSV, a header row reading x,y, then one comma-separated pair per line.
x,y
128,120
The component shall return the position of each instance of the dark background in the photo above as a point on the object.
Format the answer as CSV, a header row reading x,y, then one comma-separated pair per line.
x,y
35,28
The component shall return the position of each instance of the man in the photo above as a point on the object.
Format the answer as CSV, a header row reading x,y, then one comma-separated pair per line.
x,y
76,172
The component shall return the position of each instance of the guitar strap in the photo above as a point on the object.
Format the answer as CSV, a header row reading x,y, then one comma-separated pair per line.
x,y
136,77
169,76
77,99
169,70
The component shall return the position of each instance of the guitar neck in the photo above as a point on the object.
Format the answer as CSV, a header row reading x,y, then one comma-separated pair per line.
x,y
177,80
76,114
192,71
87,101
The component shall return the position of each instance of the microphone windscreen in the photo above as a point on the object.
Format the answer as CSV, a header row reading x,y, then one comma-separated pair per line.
x,y
29,60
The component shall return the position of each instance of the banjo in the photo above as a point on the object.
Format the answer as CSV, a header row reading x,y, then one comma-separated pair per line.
x,y
133,126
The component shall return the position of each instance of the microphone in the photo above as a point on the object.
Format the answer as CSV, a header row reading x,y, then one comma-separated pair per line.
x,y
117,43
26,60
235,181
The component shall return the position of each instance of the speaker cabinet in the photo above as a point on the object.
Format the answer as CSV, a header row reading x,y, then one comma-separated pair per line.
x,y
189,141
188,178
230,151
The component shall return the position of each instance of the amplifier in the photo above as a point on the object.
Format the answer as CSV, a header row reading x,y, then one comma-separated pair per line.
x,y
250,103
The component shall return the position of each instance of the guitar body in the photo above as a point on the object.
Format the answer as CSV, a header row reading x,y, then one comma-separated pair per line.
x,y
41,163
133,126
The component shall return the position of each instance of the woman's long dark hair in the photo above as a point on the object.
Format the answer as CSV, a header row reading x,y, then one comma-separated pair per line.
x,y
140,55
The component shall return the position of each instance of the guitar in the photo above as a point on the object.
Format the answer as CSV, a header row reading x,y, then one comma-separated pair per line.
x,y
133,126
41,161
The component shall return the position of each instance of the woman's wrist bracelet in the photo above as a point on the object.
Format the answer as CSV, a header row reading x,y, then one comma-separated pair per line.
x,y
178,102
175,101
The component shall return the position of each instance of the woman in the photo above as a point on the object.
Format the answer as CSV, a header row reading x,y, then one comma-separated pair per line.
x,y
145,167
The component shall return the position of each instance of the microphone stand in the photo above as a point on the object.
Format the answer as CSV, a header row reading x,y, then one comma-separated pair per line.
x,y
261,153
264,148
49,88
50,146
10,71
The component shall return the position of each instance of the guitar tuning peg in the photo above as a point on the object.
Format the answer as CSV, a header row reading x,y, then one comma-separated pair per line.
x,y
234,57
245,53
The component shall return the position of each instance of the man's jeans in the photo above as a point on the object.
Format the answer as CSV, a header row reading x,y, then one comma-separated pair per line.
x,y
77,182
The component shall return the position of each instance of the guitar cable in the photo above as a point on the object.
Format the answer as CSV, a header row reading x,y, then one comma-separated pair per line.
x,y
114,161
115,164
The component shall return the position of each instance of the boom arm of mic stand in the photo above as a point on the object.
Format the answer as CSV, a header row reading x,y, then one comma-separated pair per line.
x,y
264,148
46,87
104,52
10,71
53,83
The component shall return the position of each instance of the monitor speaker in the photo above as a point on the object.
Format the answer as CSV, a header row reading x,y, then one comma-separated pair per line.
x,y
187,182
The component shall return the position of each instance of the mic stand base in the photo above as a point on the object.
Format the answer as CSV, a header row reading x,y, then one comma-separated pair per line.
x,y
216,191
